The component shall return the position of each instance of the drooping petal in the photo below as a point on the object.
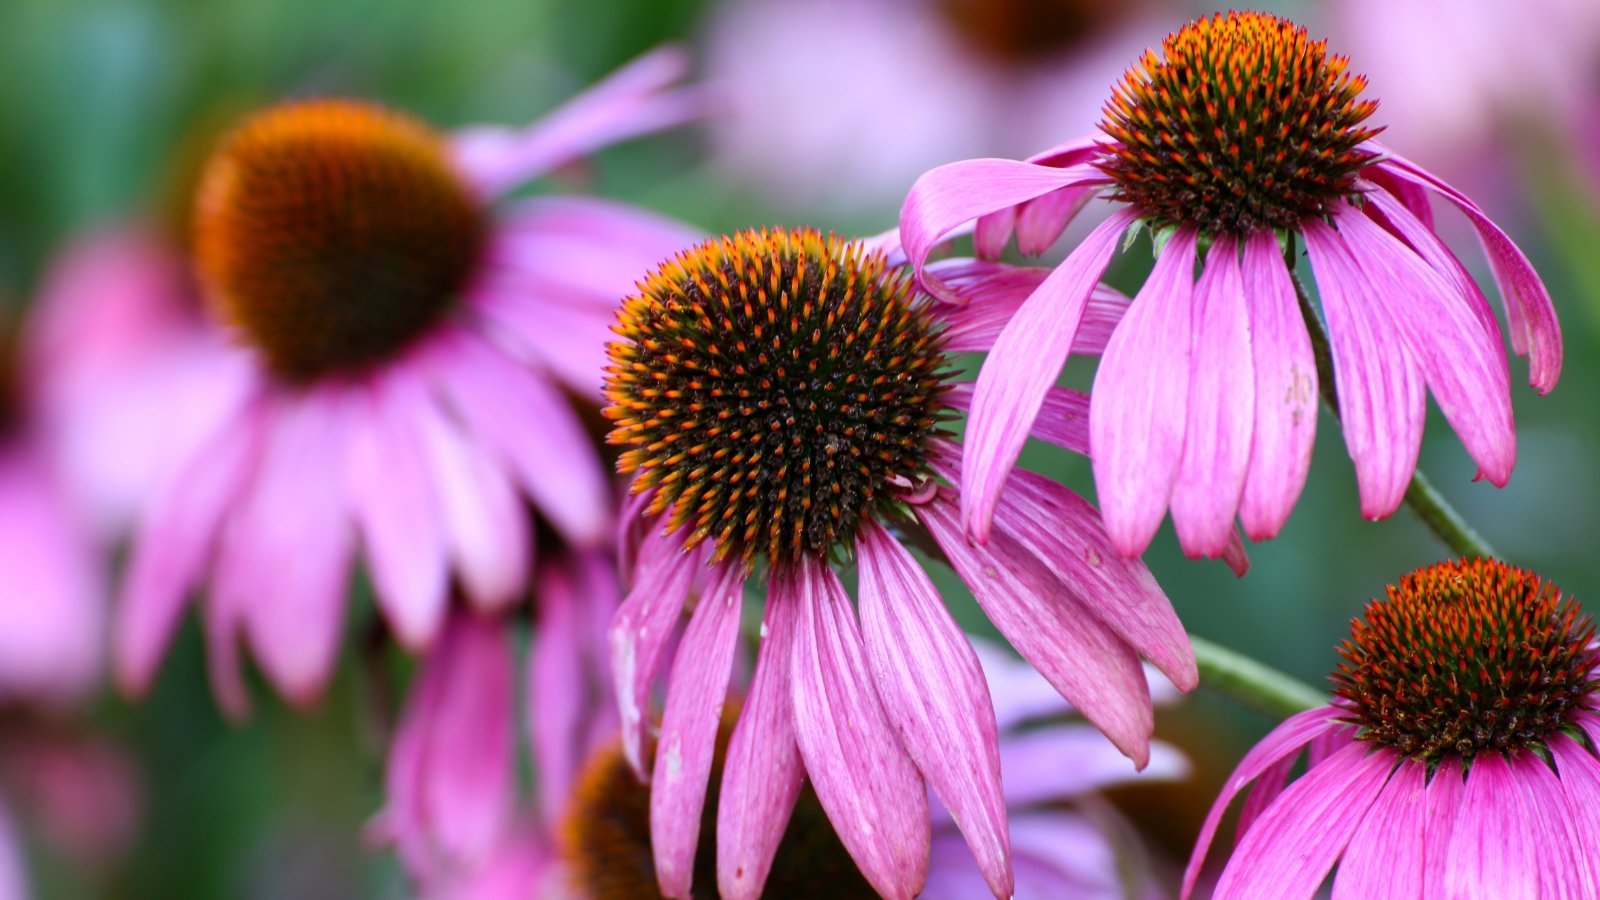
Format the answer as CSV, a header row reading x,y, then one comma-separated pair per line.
x,y
1077,653
1462,361
953,194
1222,408
695,694
1139,405
1290,848
1380,387
1491,851
933,690
995,229
1041,220
763,774
1063,416
1024,364
1385,858
1287,740
863,777
1535,330
1443,801
993,292
1580,781
392,502
1286,391
639,633
1565,870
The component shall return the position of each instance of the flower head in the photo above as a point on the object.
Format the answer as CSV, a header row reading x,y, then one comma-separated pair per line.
x,y
1240,137
1457,758
780,393
402,334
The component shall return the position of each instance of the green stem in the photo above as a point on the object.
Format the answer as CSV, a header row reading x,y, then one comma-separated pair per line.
x,y
1252,683
1429,505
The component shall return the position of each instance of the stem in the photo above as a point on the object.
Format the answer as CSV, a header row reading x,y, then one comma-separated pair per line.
x,y
1426,501
1252,683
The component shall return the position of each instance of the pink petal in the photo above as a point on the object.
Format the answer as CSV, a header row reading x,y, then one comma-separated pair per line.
x,y
1024,364
696,691
639,633
1399,219
12,884
991,294
1222,406
951,195
1535,331
1138,408
1041,220
1491,851
635,100
763,774
1286,391
1285,741
1380,387
538,435
175,541
1077,653
1384,858
1565,869
1289,850
934,693
1061,762
1462,361
1445,790
286,555
992,232
863,777
1580,782
1063,416
1411,194
391,499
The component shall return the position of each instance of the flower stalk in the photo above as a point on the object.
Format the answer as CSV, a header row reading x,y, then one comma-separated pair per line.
x,y
1253,683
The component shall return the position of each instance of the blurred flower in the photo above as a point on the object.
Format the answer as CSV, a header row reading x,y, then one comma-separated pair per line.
x,y
1455,760
403,337
779,394
907,84
1240,134
11,885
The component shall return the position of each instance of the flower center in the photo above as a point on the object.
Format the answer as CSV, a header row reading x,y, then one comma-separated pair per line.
x,y
332,233
1464,657
608,842
1241,123
1027,31
772,388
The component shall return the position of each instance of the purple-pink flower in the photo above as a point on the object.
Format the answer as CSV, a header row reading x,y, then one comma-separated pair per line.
x,y
779,396
1457,758
1242,138
404,330
11,884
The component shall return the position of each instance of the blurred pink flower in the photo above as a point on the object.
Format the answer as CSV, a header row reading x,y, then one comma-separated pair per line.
x,y
1206,398
842,104
12,886
405,333
1415,786
779,394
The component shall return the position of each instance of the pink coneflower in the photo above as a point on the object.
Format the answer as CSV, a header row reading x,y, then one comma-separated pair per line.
x,y
780,394
1456,760
403,338
1240,135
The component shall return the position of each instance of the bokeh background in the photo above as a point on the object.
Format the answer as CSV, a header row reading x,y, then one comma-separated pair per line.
x,y
831,109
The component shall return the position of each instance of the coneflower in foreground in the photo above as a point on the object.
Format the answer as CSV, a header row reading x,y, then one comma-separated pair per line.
x,y
403,341
1241,135
1457,758
779,395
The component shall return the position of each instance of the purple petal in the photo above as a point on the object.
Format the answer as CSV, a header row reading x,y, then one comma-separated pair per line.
x,y
1491,851
1535,331
1075,651
1139,404
1060,762
763,774
1222,406
1285,741
934,693
1289,850
1462,361
175,541
1380,388
951,195
639,633
391,500
1384,858
695,693
1286,391
1023,366
1063,416
863,777
535,431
